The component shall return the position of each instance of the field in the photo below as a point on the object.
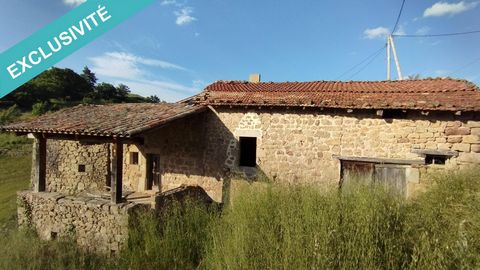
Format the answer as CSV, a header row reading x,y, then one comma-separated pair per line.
x,y
14,176
276,227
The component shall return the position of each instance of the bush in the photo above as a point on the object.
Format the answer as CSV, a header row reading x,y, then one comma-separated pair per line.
x,y
40,108
9,115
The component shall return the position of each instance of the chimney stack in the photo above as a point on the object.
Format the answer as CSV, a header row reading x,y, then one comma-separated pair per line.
x,y
254,78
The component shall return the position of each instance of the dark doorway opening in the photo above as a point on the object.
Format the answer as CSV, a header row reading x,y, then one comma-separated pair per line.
x,y
153,172
248,151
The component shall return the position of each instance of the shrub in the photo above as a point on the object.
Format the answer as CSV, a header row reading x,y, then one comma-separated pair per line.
x,y
9,115
40,108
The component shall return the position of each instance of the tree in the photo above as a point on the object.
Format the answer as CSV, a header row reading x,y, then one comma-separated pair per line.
x,y
414,77
122,92
153,99
105,91
90,77
55,83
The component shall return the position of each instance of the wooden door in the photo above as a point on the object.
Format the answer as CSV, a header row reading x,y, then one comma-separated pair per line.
x,y
355,172
153,172
393,177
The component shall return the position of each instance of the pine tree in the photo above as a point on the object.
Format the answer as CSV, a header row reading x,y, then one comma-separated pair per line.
x,y
90,77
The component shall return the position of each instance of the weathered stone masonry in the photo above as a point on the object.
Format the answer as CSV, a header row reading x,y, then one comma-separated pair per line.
x,y
298,145
96,224
63,161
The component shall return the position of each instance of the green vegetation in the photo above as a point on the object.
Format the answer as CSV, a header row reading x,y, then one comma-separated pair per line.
x,y
15,175
288,228
58,88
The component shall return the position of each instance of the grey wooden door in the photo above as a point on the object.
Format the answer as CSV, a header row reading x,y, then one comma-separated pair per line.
x,y
393,177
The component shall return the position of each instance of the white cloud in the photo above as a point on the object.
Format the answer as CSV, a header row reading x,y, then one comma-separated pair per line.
x,y
74,3
169,2
445,8
374,33
130,69
126,65
423,30
184,16
168,91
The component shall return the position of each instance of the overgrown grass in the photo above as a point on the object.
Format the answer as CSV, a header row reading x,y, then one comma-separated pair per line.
x,y
285,227
175,240
368,228
23,250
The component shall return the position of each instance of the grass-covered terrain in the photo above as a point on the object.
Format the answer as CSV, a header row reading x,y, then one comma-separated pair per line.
x,y
277,227
14,176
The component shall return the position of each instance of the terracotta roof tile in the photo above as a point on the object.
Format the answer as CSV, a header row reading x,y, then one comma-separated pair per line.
x,y
431,94
114,120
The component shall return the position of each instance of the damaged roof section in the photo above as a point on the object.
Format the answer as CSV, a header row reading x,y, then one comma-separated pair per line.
x,y
426,94
113,120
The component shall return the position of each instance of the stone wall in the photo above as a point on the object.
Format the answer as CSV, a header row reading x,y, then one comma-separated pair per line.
x,y
295,145
64,159
95,224
134,175
183,160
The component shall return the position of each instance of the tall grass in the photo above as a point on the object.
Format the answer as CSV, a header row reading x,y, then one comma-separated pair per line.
x,y
289,227
301,227
366,228
23,250
173,240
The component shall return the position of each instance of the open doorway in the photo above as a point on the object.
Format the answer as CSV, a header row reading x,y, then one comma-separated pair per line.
x,y
153,172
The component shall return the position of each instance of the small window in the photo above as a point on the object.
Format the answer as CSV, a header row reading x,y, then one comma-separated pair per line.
x,y
248,151
134,158
81,168
435,159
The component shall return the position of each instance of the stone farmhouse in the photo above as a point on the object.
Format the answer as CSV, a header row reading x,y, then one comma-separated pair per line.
x,y
93,164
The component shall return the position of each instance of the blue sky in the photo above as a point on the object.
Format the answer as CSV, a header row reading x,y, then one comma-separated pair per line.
x,y
174,48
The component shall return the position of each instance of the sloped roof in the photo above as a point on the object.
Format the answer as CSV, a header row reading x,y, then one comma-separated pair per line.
x,y
426,94
114,120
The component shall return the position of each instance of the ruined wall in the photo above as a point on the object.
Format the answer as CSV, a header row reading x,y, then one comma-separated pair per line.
x,y
299,145
96,225
181,147
63,161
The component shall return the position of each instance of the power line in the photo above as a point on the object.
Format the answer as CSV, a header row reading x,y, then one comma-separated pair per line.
x,y
398,17
440,35
464,66
374,54
368,63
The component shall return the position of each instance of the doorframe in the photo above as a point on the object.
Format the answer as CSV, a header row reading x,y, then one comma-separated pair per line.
x,y
149,184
